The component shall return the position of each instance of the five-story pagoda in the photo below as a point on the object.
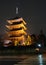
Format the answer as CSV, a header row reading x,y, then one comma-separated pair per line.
x,y
17,30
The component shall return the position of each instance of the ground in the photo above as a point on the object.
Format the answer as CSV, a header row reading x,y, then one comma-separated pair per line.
x,y
37,59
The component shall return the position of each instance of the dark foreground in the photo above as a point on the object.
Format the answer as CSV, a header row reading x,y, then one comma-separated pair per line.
x,y
37,59
22,56
19,50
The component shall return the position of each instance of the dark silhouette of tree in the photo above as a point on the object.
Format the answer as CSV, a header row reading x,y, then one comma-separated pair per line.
x,y
42,38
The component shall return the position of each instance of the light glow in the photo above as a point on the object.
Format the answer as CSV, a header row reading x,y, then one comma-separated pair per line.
x,y
39,45
40,58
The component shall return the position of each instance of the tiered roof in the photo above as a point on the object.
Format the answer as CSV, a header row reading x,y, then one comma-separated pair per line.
x,y
17,28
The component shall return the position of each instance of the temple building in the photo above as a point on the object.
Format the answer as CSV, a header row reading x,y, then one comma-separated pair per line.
x,y
17,31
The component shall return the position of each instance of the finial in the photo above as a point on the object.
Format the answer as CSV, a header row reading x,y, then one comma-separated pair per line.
x,y
16,10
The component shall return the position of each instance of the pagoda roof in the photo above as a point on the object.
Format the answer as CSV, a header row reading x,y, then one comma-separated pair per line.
x,y
18,26
18,32
11,21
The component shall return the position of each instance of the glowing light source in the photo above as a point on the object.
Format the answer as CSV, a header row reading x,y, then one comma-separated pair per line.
x,y
39,45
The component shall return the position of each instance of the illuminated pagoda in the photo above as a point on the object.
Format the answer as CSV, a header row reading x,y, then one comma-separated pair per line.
x,y
17,30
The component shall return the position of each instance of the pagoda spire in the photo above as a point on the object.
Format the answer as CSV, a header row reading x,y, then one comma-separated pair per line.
x,y
16,10
17,30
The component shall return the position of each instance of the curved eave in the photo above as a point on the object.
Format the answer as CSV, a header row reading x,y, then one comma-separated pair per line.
x,y
16,20
10,27
17,32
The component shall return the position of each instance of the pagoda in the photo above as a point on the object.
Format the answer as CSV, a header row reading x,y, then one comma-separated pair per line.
x,y
17,30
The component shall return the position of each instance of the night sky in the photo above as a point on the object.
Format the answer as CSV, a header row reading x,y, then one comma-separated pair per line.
x,y
32,11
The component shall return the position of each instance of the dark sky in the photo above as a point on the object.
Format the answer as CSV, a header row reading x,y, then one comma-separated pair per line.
x,y
33,12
